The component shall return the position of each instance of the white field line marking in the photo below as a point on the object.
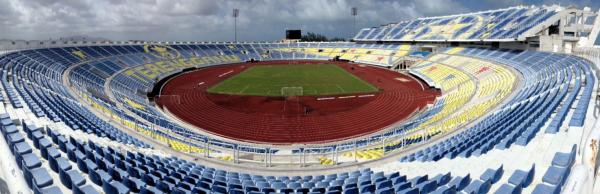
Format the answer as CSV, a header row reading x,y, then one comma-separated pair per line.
x,y
338,86
244,89
343,97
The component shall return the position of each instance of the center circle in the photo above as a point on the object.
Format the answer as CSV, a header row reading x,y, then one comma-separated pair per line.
x,y
293,102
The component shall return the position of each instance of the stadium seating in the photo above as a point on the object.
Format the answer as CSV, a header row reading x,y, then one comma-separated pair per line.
x,y
500,24
487,105
138,107
555,176
480,134
110,171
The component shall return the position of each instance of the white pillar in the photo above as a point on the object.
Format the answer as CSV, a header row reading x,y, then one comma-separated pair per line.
x,y
335,155
355,151
208,148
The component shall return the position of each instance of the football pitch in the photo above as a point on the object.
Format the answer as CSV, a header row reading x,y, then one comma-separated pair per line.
x,y
293,80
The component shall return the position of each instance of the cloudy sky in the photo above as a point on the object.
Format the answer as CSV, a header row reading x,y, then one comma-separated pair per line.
x,y
210,20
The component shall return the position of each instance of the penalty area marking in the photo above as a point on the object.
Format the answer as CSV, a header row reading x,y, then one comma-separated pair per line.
x,y
342,89
246,87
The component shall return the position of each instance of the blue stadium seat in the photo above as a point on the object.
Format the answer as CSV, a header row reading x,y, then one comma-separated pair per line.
x,y
545,189
135,185
166,186
555,176
114,187
85,189
153,190
20,149
564,160
8,129
460,182
50,153
409,191
522,178
353,190
419,179
30,161
72,179
444,189
99,177
59,164
427,186
493,174
49,190
42,144
508,189
478,187
442,179
385,191
402,186
14,138
41,178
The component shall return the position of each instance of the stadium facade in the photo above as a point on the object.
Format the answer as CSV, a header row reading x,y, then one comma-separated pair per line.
x,y
514,110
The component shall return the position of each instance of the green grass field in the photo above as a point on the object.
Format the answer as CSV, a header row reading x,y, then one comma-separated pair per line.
x,y
314,80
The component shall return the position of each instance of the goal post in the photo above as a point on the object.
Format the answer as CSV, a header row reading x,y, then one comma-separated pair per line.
x,y
292,91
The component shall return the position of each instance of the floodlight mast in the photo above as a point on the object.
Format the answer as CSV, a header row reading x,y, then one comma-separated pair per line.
x,y
236,13
354,13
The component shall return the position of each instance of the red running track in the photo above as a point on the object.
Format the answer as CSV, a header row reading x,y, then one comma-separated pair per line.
x,y
279,120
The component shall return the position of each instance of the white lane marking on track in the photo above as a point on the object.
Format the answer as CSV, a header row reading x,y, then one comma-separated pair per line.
x,y
224,74
326,98
366,95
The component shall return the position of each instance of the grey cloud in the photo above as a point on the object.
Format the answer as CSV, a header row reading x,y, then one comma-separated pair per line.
x,y
207,20
204,20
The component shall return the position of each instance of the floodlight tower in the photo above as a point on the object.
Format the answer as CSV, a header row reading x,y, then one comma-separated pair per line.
x,y
236,13
354,13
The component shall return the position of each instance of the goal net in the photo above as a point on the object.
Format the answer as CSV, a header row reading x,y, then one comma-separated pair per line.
x,y
291,91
